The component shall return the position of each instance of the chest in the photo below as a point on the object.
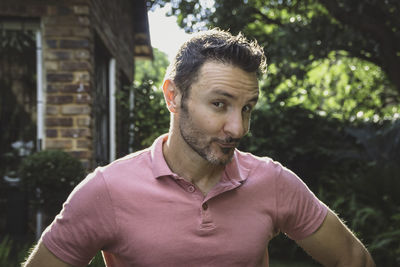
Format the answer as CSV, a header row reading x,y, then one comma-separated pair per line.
x,y
185,228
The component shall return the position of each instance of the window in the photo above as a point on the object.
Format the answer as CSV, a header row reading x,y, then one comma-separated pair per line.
x,y
18,93
20,114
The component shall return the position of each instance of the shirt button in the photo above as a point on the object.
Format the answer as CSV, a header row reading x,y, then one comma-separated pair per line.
x,y
191,189
204,206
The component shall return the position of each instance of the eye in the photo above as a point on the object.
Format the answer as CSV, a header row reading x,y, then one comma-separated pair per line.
x,y
247,108
218,104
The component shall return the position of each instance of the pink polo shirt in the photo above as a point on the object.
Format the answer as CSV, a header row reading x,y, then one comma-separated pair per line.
x,y
142,214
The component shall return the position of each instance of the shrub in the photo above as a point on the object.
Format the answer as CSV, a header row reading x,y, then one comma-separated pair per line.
x,y
5,249
351,166
12,252
54,174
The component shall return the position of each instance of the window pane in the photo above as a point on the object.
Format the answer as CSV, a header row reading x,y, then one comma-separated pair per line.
x,y
17,98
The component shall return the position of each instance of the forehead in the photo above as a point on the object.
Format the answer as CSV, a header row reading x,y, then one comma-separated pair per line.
x,y
220,76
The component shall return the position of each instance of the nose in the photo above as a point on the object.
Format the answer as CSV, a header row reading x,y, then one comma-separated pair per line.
x,y
236,126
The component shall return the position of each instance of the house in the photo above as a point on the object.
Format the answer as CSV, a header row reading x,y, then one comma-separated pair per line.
x,y
62,64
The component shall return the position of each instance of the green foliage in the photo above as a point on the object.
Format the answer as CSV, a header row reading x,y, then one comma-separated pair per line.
x,y
352,168
329,105
17,99
376,190
97,261
152,70
309,144
344,88
12,253
5,249
151,117
289,263
55,173
328,56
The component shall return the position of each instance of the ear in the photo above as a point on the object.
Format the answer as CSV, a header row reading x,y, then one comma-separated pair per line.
x,y
171,95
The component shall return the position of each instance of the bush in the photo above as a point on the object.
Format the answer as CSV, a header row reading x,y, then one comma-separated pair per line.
x,y
54,174
13,253
351,166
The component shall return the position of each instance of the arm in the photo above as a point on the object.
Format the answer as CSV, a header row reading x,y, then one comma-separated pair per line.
x,y
333,244
42,257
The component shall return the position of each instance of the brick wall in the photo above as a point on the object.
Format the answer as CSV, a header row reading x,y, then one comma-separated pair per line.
x,y
68,30
68,67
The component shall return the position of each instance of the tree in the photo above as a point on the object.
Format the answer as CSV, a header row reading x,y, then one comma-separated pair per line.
x,y
298,36
330,63
151,117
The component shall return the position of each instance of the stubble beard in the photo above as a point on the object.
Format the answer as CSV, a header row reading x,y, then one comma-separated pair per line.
x,y
194,138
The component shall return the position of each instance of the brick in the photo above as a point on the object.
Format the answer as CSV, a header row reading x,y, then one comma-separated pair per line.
x,y
82,54
51,133
83,99
83,20
51,11
56,19
75,110
74,65
57,121
59,77
58,55
51,43
64,10
51,65
81,32
75,88
83,143
81,154
83,121
59,99
37,10
81,77
78,43
81,10
58,31
53,88
75,133
52,143
51,110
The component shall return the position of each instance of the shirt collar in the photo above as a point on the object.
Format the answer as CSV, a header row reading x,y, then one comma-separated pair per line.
x,y
236,171
159,165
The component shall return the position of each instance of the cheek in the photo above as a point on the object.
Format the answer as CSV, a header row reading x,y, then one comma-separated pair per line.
x,y
211,124
206,121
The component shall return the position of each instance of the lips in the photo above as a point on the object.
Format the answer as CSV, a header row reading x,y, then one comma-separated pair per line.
x,y
227,145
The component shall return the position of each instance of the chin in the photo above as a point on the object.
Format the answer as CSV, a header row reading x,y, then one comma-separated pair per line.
x,y
221,160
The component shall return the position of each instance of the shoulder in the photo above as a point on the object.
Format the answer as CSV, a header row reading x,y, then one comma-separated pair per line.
x,y
259,165
267,170
129,165
141,157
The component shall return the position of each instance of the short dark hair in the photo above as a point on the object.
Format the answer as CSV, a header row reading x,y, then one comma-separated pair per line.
x,y
214,45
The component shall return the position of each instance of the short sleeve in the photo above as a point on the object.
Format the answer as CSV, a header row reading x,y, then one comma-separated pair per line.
x,y
300,213
85,225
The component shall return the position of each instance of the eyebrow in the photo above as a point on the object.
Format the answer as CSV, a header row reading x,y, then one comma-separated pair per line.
x,y
224,93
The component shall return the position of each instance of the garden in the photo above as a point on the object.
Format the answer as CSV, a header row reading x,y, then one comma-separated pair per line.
x,y
329,110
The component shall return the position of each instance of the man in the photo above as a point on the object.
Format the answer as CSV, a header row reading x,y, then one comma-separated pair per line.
x,y
193,199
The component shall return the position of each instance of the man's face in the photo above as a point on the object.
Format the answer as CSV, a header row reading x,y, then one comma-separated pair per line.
x,y
216,114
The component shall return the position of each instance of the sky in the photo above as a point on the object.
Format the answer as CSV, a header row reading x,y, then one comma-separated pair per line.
x,y
165,34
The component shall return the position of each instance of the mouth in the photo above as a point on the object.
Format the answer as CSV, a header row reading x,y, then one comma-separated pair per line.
x,y
227,145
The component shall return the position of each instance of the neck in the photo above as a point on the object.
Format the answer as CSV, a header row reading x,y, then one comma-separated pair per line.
x,y
186,163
